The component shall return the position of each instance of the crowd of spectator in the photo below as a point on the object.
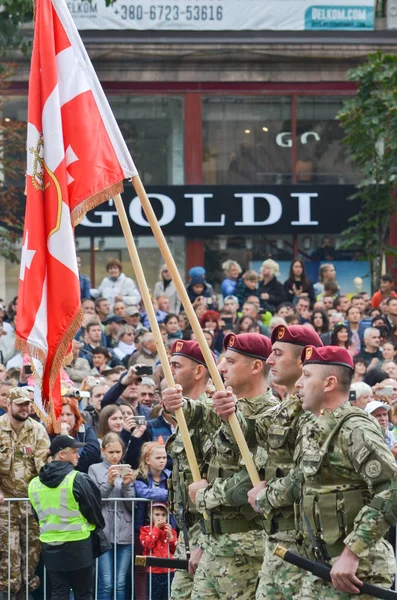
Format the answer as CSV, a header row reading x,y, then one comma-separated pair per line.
x,y
111,390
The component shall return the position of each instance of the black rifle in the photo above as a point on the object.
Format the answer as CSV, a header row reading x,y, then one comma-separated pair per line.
x,y
323,571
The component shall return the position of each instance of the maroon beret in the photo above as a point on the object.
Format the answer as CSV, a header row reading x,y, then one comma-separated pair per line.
x,y
189,349
327,355
254,345
299,335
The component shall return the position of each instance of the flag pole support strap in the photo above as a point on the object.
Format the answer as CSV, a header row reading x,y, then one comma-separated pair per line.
x,y
187,305
143,288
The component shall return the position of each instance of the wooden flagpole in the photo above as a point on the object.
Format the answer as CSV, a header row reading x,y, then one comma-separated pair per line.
x,y
187,305
136,263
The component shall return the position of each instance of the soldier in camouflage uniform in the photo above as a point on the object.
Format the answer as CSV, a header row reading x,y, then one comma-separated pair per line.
x,y
277,431
24,446
234,536
344,484
190,372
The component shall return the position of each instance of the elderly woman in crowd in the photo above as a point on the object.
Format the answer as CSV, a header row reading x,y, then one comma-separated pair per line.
x,y
125,343
232,272
362,394
271,291
166,287
116,287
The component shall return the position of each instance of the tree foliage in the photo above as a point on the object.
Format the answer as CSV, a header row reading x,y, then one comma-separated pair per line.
x,y
370,123
12,169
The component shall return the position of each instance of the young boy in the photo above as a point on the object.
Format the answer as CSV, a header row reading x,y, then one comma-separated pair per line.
x,y
247,286
159,540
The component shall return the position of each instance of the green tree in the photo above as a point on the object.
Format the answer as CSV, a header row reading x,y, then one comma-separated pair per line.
x,y
370,123
12,169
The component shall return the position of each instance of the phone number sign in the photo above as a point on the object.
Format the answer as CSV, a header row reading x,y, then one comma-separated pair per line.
x,y
217,15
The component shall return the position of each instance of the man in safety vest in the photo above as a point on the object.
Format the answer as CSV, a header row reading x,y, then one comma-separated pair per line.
x,y
67,505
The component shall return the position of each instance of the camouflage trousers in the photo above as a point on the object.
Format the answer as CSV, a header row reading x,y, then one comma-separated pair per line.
x,y
182,583
226,578
19,537
378,568
278,579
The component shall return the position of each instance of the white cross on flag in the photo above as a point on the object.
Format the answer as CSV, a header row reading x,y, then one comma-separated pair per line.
x,y
76,159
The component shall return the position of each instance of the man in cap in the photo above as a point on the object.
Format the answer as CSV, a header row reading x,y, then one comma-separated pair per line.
x,y
23,451
277,431
234,538
113,325
190,372
344,484
380,411
67,505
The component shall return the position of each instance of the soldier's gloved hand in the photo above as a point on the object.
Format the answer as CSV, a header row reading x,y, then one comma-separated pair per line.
x,y
254,493
172,398
236,493
224,403
195,487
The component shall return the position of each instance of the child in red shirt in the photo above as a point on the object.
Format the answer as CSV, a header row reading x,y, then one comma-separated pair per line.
x,y
159,540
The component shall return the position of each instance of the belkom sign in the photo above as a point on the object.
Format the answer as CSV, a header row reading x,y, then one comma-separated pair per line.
x,y
217,15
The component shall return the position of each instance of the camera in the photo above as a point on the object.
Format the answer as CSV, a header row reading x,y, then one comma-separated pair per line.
x,y
78,394
139,420
143,370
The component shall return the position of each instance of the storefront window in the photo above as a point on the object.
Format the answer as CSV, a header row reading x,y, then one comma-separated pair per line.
x,y
152,127
247,140
321,153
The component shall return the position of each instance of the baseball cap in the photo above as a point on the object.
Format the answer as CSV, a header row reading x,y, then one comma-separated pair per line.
x,y
19,395
374,405
115,319
130,311
60,442
231,297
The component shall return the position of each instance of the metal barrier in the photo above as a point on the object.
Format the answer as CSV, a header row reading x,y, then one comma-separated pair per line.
x,y
24,593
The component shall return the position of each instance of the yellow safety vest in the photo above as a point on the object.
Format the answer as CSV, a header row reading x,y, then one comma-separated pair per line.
x,y
60,519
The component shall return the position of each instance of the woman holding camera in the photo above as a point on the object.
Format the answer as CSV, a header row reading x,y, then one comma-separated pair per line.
x,y
114,480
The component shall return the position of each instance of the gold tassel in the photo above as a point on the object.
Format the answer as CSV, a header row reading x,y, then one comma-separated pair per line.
x,y
78,213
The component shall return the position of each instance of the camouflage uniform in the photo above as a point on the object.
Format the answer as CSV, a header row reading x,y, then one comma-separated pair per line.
x,y
345,485
234,540
277,431
178,484
21,457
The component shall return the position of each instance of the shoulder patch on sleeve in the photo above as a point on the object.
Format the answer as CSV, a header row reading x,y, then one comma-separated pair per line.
x,y
373,469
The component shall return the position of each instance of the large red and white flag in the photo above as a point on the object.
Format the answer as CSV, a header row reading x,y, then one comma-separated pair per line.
x,y
76,159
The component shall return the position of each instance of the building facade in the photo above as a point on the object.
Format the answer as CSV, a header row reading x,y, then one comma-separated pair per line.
x,y
235,137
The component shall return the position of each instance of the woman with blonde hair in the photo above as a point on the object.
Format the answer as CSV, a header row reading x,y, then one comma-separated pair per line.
x,y
271,291
232,271
166,287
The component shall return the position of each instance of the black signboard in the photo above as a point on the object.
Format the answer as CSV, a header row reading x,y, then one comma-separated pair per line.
x,y
204,211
